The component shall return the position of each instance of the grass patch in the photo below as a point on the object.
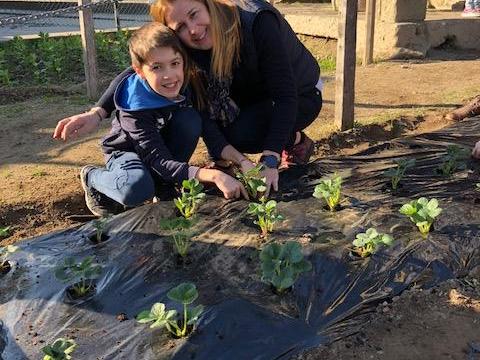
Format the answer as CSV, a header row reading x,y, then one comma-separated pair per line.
x,y
327,64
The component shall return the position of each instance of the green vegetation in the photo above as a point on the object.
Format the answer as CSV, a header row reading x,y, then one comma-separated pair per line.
x,y
99,225
282,264
58,60
185,294
191,196
266,212
422,213
179,230
4,231
369,242
329,190
253,181
59,350
79,275
454,160
396,173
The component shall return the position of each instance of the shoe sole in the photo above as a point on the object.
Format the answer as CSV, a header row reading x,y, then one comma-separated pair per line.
x,y
85,189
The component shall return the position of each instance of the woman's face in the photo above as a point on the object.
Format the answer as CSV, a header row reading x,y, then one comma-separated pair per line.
x,y
190,20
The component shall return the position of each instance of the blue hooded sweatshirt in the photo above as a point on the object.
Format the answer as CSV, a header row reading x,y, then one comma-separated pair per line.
x,y
140,116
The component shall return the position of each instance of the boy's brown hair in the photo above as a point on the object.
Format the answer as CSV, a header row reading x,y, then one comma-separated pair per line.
x,y
154,35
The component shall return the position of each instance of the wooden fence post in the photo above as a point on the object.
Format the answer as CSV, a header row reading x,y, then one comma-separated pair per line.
x,y
87,31
369,32
346,59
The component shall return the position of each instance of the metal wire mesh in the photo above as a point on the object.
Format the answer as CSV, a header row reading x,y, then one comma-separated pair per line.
x,y
40,43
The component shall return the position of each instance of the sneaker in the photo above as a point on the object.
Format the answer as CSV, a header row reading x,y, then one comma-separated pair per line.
x,y
476,12
299,154
470,109
98,203
468,12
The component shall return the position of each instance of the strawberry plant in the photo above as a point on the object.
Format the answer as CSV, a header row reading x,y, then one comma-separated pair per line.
x,y
396,173
367,243
179,229
422,212
253,181
454,160
266,212
185,294
282,264
79,275
99,225
4,251
191,196
59,350
329,190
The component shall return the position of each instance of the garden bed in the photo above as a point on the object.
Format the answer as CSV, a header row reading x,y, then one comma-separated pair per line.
x,y
243,318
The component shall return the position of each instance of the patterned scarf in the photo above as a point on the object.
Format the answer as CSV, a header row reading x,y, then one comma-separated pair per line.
x,y
221,107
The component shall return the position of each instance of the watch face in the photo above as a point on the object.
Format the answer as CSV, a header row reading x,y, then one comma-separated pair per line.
x,y
270,161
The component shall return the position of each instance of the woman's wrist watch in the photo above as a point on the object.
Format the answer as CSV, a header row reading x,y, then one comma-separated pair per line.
x,y
270,161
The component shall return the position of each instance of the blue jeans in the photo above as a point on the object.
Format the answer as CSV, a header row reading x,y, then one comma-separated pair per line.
x,y
125,177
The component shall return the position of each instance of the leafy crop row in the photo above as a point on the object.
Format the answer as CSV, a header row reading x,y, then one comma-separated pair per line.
x,y
58,60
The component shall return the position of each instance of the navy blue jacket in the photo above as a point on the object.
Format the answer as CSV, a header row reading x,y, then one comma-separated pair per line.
x,y
140,116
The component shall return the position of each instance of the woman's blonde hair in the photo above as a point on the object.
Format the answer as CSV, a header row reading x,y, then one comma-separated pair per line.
x,y
154,35
225,32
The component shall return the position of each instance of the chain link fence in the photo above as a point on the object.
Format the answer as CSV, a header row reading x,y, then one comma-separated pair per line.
x,y
40,42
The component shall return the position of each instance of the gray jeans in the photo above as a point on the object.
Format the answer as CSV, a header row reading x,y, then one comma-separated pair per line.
x,y
472,4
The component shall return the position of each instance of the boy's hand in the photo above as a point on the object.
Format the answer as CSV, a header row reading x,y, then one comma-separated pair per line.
x,y
476,151
76,126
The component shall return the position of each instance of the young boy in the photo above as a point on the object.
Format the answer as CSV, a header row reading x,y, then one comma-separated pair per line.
x,y
154,132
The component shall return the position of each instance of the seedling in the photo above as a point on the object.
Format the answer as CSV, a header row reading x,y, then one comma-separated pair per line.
x,y
99,225
329,190
266,212
185,294
254,183
282,264
396,173
369,242
4,231
79,275
422,212
4,251
191,196
59,350
179,229
454,160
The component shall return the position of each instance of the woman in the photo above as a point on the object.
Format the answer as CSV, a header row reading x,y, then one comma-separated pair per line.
x,y
263,86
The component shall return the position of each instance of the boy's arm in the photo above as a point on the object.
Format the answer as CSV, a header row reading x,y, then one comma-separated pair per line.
x,y
76,126
150,146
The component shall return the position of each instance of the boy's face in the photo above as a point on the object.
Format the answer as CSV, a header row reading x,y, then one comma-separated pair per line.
x,y
163,71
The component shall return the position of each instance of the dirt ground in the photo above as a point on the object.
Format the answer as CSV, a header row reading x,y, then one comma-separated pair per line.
x,y
40,191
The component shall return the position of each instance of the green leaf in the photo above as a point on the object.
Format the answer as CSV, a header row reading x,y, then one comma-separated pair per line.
x,y
193,314
185,293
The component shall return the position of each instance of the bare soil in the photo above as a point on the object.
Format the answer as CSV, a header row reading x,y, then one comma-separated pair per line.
x,y
40,191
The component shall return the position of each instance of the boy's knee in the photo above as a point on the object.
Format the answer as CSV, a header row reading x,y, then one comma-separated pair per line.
x,y
137,190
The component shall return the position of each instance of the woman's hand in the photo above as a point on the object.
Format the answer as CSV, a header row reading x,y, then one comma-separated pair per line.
x,y
245,165
230,187
476,150
76,126
271,179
